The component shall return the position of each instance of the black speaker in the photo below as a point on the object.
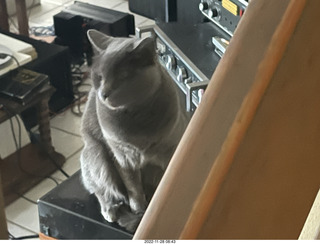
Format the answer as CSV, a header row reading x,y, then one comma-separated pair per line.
x,y
165,11
159,10
69,32
72,23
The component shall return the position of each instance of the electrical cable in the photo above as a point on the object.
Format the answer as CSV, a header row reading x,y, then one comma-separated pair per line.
x,y
19,151
18,148
78,77
4,55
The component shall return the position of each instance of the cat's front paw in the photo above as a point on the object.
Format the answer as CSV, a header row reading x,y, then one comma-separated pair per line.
x,y
138,205
109,216
111,213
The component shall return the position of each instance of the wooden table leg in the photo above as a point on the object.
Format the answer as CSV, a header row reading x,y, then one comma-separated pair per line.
x,y
3,221
44,125
4,24
22,17
45,132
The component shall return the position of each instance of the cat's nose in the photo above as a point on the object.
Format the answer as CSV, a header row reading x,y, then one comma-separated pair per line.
x,y
105,95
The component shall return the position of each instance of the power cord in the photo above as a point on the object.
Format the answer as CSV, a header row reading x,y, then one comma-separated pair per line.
x,y
5,55
18,146
2,56
78,77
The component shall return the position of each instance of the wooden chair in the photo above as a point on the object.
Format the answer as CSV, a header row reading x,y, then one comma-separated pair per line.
x,y
248,164
3,221
21,15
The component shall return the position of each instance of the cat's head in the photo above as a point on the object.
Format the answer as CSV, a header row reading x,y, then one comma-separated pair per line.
x,y
124,69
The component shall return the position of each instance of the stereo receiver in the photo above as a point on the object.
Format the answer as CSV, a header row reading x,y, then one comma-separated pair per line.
x,y
224,13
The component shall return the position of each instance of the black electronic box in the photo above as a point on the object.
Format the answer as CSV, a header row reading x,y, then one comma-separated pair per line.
x,y
72,23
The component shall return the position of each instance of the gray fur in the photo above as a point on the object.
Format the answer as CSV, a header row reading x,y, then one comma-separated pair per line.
x,y
131,126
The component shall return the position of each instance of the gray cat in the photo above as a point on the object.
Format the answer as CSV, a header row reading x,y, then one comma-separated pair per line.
x,y
131,126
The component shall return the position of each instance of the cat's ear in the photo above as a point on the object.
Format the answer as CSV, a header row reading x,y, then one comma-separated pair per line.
x,y
98,40
145,51
147,44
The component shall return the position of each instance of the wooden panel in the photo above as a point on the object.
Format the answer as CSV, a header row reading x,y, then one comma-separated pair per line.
x,y
275,171
256,129
209,127
4,23
22,17
44,237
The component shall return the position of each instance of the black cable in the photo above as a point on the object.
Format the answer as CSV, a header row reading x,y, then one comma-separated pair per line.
x,y
78,77
18,146
10,236
13,133
4,55
58,166
27,237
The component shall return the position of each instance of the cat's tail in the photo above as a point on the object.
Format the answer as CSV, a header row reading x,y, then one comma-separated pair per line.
x,y
129,220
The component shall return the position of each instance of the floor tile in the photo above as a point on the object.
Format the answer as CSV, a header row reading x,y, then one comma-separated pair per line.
x,y
13,24
67,121
65,143
18,230
42,9
24,213
10,147
46,18
71,166
40,190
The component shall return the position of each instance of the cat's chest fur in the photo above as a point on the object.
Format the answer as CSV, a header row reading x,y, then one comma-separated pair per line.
x,y
139,125
138,132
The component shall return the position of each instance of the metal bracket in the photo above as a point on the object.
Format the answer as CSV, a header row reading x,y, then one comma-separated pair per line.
x,y
192,87
220,45
144,29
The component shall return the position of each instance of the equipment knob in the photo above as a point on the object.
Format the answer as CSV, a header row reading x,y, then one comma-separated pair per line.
x,y
200,94
182,74
203,6
213,12
171,62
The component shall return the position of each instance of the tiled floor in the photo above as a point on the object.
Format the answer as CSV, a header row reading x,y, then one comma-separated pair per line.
x,y
22,215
